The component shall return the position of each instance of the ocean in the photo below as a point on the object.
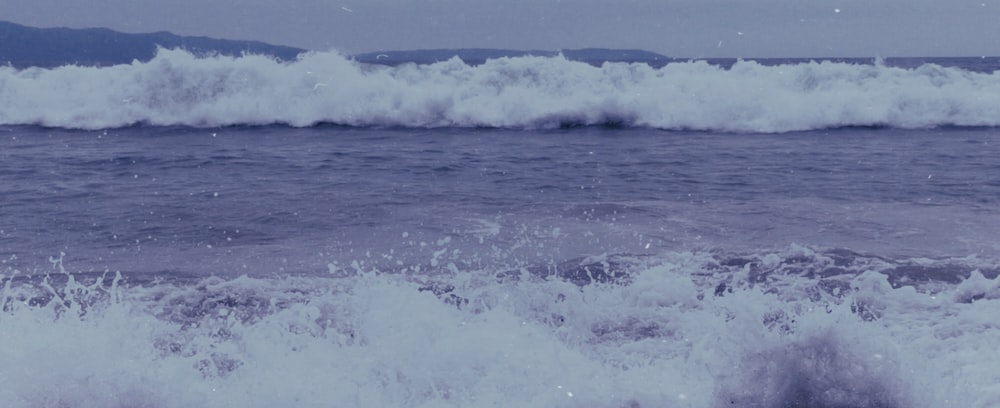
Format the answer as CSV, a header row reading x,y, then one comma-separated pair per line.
x,y
525,232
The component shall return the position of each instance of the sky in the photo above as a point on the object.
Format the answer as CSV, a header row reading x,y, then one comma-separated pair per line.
x,y
679,28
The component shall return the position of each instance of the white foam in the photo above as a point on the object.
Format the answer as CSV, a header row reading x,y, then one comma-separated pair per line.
x,y
375,339
176,88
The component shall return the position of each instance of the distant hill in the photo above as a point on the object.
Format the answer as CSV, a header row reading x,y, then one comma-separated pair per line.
x,y
476,56
22,46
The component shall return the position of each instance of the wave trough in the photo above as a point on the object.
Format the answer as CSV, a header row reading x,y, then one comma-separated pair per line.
x,y
177,88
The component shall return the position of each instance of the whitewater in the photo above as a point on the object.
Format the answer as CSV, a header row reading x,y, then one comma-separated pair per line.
x,y
178,88
532,231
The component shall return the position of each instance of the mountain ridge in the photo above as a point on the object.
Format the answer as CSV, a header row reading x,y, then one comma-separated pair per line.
x,y
476,56
23,46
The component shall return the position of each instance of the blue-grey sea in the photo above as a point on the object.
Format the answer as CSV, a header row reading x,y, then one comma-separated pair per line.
x,y
530,232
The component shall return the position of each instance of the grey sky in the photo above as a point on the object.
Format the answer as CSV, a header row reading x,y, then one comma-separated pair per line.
x,y
684,28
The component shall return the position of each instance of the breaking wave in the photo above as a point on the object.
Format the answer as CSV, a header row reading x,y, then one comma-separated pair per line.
x,y
178,88
790,328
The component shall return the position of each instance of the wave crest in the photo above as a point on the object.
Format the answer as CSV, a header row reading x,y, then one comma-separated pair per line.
x,y
178,88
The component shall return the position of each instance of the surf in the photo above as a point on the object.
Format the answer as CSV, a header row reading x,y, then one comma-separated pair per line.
x,y
788,328
177,88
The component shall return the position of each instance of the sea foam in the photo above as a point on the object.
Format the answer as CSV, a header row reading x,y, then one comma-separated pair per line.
x,y
178,88
670,337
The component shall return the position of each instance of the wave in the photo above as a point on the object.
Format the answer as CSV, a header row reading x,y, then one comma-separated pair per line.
x,y
792,327
178,88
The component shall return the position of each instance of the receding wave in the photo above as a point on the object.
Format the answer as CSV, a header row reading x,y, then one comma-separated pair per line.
x,y
177,88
